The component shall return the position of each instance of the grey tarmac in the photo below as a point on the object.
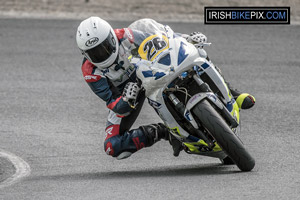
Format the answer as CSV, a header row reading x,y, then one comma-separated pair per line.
x,y
51,119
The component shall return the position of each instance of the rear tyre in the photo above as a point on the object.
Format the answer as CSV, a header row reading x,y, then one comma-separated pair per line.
x,y
228,141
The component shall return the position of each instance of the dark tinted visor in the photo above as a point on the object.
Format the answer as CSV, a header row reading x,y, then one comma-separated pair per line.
x,y
102,51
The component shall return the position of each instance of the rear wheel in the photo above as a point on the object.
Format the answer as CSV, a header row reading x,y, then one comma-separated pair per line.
x,y
222,133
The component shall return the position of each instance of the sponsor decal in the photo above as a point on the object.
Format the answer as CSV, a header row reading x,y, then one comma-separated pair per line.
x,y
247,15
91,77
112,131
154,104
195,97
108,131
91,42
137,143
187,116
108,149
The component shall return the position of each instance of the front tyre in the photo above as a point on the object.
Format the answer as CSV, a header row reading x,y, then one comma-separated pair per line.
x,y
228,141
227,161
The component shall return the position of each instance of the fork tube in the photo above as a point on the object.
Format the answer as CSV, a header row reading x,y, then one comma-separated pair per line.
x,y
197,79
178,104
202,85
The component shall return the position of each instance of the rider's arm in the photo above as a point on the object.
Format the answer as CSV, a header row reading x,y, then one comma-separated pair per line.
x,y
100,86
131,39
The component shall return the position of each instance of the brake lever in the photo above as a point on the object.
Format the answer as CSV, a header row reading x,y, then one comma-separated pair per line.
x,y
201,45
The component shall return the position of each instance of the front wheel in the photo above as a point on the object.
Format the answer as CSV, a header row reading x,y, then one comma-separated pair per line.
x,y
222,133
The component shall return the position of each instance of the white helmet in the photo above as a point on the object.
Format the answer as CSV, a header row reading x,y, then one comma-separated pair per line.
x,y
97,41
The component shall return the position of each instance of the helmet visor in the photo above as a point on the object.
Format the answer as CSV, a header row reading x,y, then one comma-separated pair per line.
x,y
102,51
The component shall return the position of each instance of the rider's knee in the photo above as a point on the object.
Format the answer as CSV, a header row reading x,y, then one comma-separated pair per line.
x,y
112,146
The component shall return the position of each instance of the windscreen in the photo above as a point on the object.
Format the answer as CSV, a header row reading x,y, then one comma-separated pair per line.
x,y
155,41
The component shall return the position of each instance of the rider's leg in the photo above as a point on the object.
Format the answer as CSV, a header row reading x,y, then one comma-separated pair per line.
x,y
122,145
121,142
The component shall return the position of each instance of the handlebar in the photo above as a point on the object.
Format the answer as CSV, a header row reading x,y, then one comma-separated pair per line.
x,y
201,45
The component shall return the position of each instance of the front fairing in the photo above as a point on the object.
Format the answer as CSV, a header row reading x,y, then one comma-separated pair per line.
x,y
160,54
163,57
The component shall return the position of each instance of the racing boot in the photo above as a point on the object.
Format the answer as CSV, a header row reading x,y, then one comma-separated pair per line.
x,y
244,100
155,132
176,145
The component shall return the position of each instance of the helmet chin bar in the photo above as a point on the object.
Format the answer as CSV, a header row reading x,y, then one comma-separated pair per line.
x,y
104,65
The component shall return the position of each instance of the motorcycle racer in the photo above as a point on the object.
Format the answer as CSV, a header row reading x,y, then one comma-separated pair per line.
x,y
109,73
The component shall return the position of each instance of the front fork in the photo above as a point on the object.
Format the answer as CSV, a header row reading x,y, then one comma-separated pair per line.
x,y
213,99
179,106
185,110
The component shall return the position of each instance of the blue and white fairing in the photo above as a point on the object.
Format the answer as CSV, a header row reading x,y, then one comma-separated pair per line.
x,y
166,56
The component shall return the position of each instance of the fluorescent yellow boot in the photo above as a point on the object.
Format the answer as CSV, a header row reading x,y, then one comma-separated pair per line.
x,y
245,101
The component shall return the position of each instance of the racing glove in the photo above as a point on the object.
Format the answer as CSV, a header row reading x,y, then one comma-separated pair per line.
x,y
130,93
196,38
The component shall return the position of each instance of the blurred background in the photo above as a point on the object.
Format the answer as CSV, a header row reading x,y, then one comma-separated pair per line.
x,y
169,10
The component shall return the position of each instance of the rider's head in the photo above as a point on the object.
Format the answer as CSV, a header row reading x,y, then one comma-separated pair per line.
x,y
97,41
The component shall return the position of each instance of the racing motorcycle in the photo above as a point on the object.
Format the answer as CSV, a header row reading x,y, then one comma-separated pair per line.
x,y
189,94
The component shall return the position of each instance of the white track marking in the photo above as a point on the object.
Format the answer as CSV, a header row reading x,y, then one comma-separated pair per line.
x,y
22,168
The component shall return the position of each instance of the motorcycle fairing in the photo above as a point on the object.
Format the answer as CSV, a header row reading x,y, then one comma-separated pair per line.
x,y
156,77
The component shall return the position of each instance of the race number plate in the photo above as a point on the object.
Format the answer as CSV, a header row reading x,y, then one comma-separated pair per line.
x,y
152,46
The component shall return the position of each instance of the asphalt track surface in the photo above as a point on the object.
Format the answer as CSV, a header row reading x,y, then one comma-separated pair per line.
x,y
52,120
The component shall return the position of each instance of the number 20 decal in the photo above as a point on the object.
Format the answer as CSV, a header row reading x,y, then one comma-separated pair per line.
x,y
152,46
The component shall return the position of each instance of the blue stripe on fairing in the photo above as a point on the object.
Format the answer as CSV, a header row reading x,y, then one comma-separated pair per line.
x,y
182,53
205,65
149,73
166,60
159,75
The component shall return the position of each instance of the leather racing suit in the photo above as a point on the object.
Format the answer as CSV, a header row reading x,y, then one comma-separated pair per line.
x,y
108,84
